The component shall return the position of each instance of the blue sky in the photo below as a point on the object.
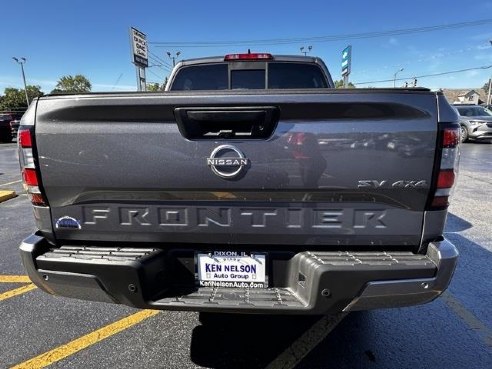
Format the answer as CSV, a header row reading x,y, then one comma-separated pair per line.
x,y
91,37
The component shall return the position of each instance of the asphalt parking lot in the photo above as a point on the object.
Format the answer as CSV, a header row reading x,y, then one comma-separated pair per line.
x,y
455,331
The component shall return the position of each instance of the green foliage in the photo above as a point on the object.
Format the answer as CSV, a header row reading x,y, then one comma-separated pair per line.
x,y
77,84
486,87
154,87
15,99
339,84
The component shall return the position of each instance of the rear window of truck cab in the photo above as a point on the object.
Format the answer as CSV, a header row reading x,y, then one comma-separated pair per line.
x,y
249,75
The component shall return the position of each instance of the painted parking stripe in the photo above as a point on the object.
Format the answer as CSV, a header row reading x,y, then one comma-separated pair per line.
x,y
83,342
468,317
14,279
301,347
10,183
17,291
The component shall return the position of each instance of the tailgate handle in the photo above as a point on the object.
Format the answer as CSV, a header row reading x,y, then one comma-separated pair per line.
x,y
227,122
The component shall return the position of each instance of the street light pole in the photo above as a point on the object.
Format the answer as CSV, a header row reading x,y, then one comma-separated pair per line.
x,y
394,76
173,58
21,61
309,48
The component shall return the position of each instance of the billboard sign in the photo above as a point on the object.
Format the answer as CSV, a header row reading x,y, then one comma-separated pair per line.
x,y
346,60
139,48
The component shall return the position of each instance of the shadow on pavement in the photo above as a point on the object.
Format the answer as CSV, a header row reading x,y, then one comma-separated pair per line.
x,y
456,224
472,280
479,142
244,341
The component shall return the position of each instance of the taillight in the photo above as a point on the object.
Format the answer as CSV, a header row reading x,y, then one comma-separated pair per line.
x,y
248,56
448,167
30,175
25,138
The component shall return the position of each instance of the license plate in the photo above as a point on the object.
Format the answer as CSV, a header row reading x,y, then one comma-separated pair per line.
x,y
231,269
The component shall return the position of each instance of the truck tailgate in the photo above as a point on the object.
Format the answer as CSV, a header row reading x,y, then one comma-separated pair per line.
x,y
322,168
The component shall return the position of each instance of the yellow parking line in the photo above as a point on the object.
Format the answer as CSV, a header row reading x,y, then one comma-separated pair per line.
x,y
17,291
83,342
14,279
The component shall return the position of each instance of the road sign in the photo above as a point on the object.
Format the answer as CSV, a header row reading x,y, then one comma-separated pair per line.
x,y
139,48
346,60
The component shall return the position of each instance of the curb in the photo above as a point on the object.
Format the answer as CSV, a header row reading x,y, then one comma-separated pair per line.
x,y
7,195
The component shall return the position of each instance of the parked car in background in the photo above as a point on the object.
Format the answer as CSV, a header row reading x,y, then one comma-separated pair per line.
x,y
6,133
475,122
14,127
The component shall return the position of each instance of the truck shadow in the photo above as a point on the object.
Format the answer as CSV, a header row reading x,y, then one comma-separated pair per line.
x,y
244,341
456,224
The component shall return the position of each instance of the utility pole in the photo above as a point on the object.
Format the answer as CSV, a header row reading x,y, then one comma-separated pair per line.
x,y
309,48
488,94
21,61
173,57
490,85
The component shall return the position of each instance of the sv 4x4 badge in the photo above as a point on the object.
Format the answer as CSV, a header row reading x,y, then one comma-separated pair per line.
x,y
373,183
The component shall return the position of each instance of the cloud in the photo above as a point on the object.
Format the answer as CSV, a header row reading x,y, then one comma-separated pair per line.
x,y
392,42
434,66
482,37
485,57
483,47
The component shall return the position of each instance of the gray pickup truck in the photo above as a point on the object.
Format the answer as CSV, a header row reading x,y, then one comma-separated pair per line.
x,y
250,186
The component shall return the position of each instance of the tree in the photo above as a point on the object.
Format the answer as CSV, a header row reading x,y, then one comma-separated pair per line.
x,y
15,99
154,87
72,84
486,87
339,84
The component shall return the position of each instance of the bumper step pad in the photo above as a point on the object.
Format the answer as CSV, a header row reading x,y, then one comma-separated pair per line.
x,y
395,259
237,297
88,253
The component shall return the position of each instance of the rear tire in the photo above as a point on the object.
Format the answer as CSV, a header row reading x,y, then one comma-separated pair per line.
x,y
463,134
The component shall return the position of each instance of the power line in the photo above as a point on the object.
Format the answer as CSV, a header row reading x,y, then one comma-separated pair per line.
x,y
162,61
424,75
327,38
155,74
117,81
159,64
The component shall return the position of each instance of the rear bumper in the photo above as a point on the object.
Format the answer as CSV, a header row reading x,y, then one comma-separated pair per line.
x,y
303,283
